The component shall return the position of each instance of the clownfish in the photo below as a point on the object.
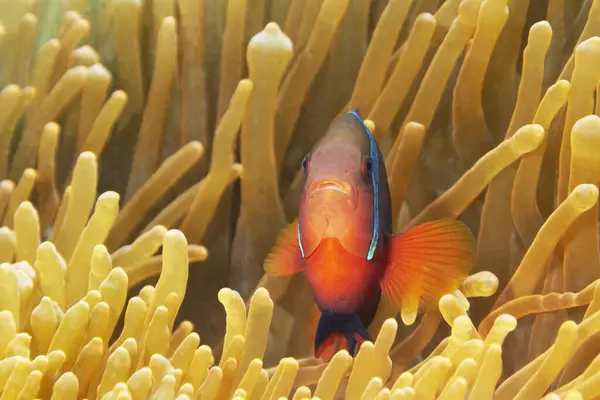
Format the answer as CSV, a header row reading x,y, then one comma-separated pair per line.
x,y
342,240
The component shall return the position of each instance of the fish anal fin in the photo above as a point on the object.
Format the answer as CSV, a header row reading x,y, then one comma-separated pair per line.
x,y
359,340
285,259
330,346
425,263
339,332
335,343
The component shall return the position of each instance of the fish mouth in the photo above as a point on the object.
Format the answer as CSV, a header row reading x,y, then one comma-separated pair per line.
x,y
329,192
334,186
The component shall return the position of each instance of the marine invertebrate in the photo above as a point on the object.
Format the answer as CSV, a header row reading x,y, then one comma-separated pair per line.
x,y
485,111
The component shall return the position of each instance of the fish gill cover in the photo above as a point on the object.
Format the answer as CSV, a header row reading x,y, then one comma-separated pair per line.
x,y
121,161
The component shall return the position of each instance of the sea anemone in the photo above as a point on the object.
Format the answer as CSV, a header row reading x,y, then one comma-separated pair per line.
x,y
121,162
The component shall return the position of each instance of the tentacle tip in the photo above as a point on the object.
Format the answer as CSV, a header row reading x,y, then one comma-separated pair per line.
x,y
408,316
529,137
507,321
584,196
175,235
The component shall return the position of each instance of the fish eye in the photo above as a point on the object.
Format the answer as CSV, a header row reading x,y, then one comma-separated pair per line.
x,y
367,167
305,164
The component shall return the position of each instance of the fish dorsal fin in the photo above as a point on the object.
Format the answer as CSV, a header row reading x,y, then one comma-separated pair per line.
x,y
374,154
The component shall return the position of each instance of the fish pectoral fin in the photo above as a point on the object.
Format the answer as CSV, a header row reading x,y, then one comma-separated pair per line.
x,y
425,263
285,258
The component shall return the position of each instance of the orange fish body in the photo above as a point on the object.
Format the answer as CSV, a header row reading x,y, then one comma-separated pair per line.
x,y
343,282
343,241
342,285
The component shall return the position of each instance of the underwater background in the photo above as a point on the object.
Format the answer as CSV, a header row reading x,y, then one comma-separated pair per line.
x,y
150,154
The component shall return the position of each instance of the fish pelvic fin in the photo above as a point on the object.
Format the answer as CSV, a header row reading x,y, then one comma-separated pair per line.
x,y
313,321
339,332
285,259
425,263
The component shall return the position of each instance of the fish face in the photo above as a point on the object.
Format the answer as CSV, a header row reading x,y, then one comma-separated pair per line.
x,y
338,196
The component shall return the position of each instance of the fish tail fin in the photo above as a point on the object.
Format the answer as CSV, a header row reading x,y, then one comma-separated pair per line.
x,y
339,332
425,263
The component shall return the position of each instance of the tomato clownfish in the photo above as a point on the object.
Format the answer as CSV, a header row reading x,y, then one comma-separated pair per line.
x,y
343,242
